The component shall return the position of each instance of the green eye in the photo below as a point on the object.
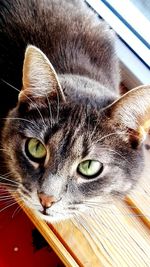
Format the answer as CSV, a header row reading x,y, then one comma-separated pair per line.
x,y
90,168
35,150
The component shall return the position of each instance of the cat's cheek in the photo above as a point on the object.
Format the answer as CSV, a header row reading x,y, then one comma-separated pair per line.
x,y
30,199
121,187
127,187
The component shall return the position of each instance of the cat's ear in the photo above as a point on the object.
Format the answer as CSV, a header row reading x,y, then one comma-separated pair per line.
x,y
132,111
39,76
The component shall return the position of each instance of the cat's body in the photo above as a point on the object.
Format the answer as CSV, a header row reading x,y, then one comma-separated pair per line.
x,y
74,39
71,113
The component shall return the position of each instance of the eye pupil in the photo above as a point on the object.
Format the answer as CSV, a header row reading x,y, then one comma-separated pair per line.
x,y
90,169
89,163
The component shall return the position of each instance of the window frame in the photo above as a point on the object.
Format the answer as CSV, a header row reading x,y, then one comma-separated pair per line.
x,y
134,69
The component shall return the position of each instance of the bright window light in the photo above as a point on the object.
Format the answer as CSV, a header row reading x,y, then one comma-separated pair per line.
x,y
128,22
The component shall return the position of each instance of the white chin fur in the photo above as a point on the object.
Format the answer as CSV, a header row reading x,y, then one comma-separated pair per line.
x,y
54,219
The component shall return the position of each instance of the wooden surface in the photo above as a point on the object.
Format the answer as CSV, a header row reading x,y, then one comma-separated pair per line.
x,y
116,235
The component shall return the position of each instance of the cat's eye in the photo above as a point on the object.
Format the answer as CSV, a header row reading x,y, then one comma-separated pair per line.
x,y
90,169
35,150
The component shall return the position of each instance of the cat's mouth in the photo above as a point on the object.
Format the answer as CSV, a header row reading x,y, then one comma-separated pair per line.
x,y
44,212
52,217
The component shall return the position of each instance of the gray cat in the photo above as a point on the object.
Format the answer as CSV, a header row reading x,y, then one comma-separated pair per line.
x,y
68,136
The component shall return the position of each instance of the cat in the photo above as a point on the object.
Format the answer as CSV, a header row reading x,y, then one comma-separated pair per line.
x,y
67,136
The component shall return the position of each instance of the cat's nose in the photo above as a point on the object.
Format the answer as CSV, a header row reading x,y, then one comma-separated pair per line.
x,y
46,200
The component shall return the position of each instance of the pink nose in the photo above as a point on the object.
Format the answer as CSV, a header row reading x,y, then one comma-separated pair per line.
x,y
46,200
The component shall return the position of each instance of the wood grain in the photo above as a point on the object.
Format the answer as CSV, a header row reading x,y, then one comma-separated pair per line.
x,y
105,238
139,199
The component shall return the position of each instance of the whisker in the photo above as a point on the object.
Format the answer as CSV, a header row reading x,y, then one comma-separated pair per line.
x,y
11,203
5,192
115,152
27,98
98,201
21,119
6,197
6,174
10,85
8,184
9,180
99,204
13,186
5,200
50,111
3,149
115,212
110,134
58,104
17,210
8,206
93,132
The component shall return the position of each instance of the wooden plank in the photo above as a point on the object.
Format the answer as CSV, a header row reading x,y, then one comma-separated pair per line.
x,y
52,239
139,199
108,238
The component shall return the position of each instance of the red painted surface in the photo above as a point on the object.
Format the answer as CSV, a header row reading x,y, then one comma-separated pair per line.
x,y
16,242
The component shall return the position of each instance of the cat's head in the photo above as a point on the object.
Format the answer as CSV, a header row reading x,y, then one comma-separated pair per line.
x,y
61,152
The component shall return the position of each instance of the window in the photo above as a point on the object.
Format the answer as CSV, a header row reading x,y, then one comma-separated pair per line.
x,y
132,23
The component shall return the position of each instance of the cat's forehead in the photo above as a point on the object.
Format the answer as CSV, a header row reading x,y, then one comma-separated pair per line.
x,y
71,129
68,117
